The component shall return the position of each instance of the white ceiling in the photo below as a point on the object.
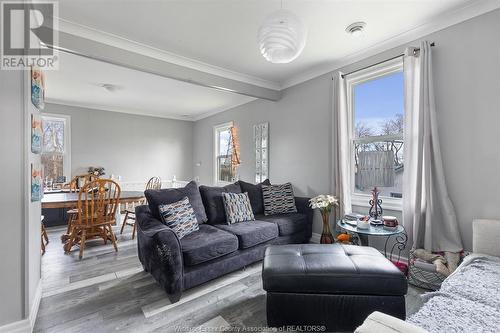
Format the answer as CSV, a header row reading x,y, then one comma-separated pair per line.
x,y
219,37
224,32
78,80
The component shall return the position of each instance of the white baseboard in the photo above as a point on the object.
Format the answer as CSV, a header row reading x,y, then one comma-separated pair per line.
x,y
26,325
36,304
21,326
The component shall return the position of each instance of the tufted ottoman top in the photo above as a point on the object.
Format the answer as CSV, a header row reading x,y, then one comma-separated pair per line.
x,y
331,269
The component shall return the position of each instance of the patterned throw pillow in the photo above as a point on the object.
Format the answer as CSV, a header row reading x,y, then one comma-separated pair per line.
x,y
237,207
278,199
180,217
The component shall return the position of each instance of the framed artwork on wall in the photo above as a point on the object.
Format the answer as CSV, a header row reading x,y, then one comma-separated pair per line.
x,y
37,88
36,182
261,139
36,134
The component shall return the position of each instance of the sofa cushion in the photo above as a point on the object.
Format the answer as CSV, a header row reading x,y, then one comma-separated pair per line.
x,y
237,207
255,194
212,200
278,199
251,233
171,195
179,216
206,244
288,224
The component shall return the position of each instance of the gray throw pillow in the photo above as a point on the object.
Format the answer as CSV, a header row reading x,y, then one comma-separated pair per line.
x,y
255,195
212,200
170,195
180,217
278,199
237,207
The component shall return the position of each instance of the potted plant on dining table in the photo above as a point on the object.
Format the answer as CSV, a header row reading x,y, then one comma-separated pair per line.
x,y
325,203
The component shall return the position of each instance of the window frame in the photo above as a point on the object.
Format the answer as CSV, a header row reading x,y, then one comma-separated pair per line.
x,y
218,128
374,72
67,141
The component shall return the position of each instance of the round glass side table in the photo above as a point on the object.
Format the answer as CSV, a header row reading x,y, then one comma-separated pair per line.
x,y
361,237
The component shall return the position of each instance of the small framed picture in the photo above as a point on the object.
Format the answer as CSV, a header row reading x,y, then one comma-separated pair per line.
x,y
37,88
36,134
36,182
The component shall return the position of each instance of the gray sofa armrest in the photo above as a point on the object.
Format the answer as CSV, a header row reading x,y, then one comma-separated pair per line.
x,y
379,322
160,252
485,236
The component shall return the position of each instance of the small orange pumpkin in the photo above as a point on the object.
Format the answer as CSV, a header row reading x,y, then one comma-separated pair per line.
x,y
343,238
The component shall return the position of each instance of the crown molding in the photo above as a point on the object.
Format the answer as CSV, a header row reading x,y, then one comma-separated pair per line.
x,y
134,46
192,118
213,112
471,9
115,109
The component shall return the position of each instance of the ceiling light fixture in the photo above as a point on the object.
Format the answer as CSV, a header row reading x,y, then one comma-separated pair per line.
x,y
356,29
109,87
282,37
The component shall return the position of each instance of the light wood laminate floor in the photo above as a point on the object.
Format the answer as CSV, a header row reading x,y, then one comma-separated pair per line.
x,y
108,292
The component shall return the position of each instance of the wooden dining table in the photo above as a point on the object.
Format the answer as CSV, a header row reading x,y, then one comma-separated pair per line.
x,y
70,200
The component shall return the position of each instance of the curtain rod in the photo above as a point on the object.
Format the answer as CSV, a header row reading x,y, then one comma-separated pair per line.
x,y
381,62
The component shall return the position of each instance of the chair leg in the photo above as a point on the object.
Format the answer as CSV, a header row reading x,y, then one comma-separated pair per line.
x,y
135,227
65,237
82,243
124,222
71,241
104,235
43,246
113,239
44,234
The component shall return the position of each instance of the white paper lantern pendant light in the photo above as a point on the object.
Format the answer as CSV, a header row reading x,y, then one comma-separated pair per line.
x,y
282,37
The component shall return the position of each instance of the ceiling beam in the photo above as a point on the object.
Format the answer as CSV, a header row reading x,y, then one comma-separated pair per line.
x,y
113,55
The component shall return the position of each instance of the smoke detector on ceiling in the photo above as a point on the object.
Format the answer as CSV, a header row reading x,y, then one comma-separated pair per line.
x,y
356,29
109,87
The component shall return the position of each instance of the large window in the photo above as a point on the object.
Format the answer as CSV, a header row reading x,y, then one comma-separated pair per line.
x,y
223,153
56,148
376,106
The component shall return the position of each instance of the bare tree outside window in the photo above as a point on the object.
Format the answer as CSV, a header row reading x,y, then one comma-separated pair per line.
x,y
54,150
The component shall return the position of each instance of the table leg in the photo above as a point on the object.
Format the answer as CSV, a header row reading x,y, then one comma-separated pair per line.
x,y
399,245
363,239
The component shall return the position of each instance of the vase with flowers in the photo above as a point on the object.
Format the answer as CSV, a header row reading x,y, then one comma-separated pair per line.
x,y
325,203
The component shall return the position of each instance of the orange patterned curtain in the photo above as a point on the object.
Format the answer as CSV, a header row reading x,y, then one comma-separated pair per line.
x,y
235,151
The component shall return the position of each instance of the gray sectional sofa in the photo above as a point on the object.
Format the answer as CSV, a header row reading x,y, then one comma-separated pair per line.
x,y
217,248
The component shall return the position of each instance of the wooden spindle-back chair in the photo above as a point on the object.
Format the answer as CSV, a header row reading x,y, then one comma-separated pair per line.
x,y
74,186
98,201
154,183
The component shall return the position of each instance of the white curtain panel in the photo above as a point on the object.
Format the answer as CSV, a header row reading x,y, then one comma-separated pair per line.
x,y
428,213
341,154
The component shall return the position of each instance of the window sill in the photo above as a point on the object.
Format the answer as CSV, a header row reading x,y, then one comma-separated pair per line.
x,y
395,204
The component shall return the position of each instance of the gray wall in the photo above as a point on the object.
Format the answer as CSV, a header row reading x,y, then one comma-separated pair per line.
x,y
132,146
20,236
12,197
299,134
467,87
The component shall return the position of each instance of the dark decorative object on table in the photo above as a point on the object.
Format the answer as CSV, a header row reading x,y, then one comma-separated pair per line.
x,y
97,171
375,205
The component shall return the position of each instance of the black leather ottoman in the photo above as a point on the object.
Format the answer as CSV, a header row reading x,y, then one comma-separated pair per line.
x,y
337,286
